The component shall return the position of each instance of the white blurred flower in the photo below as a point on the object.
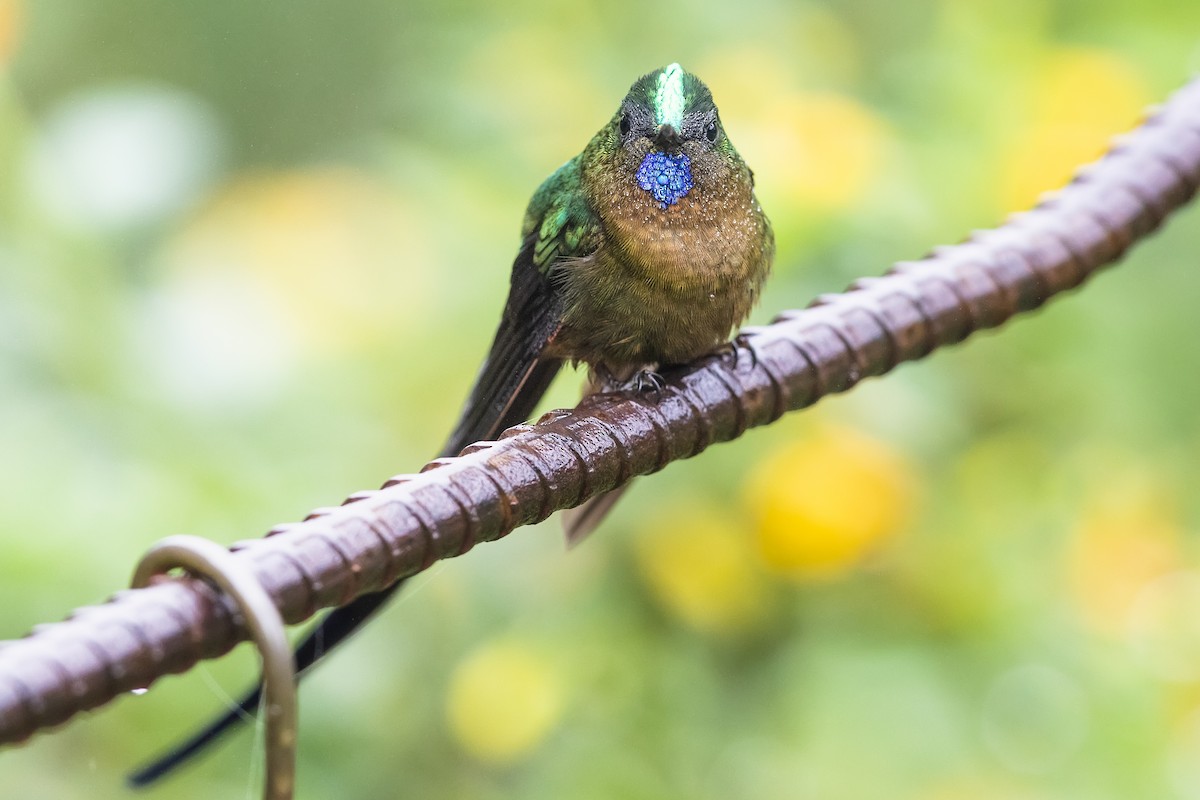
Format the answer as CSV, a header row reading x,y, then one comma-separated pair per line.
x,y
216,340
123,156
1034,718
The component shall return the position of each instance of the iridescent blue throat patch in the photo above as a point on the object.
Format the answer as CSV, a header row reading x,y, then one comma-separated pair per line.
x,y
667,178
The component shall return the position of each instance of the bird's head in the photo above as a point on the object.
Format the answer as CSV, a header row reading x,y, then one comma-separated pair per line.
x,y
668,136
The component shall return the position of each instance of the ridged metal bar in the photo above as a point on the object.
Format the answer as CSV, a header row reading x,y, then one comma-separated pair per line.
x,y
376,537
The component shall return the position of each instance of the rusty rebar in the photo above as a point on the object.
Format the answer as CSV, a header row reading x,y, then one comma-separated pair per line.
x,y
377,537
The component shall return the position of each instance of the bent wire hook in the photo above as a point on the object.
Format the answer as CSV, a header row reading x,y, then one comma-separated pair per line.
x,y
214,563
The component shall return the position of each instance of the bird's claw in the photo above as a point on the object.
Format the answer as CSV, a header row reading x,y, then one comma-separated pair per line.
x,y
731,350
647,380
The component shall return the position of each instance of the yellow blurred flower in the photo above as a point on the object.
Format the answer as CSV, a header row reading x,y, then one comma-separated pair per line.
x,y
1079,100
828,500
1164,629
824,150
348,260
700,566
503,700
817,151
10,20
1127,536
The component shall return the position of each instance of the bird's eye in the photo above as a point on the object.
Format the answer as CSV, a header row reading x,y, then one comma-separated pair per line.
x,y
624,125
710,132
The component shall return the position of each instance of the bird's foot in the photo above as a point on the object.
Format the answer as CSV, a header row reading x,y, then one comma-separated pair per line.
x,y
731,351
646,380
628,379
603,379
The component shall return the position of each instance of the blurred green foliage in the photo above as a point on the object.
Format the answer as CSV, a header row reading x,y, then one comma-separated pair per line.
x,y
251,253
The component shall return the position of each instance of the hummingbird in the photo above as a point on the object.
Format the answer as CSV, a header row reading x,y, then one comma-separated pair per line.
x,y
645,250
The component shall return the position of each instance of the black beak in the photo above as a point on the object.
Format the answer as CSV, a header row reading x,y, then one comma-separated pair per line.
x,y
666,137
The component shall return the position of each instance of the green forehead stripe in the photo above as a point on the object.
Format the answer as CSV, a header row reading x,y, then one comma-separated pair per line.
x,y
668,99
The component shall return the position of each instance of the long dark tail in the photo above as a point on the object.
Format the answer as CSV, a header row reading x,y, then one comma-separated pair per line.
x,y
510,384
336,626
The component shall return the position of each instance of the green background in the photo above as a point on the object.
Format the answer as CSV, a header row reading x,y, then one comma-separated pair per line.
x,y
251,254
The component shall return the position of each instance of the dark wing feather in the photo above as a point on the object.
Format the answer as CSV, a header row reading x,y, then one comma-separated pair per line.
x,y
516,372
510,383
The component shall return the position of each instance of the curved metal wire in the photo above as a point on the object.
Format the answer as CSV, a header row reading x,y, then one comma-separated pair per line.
x,y
230,574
